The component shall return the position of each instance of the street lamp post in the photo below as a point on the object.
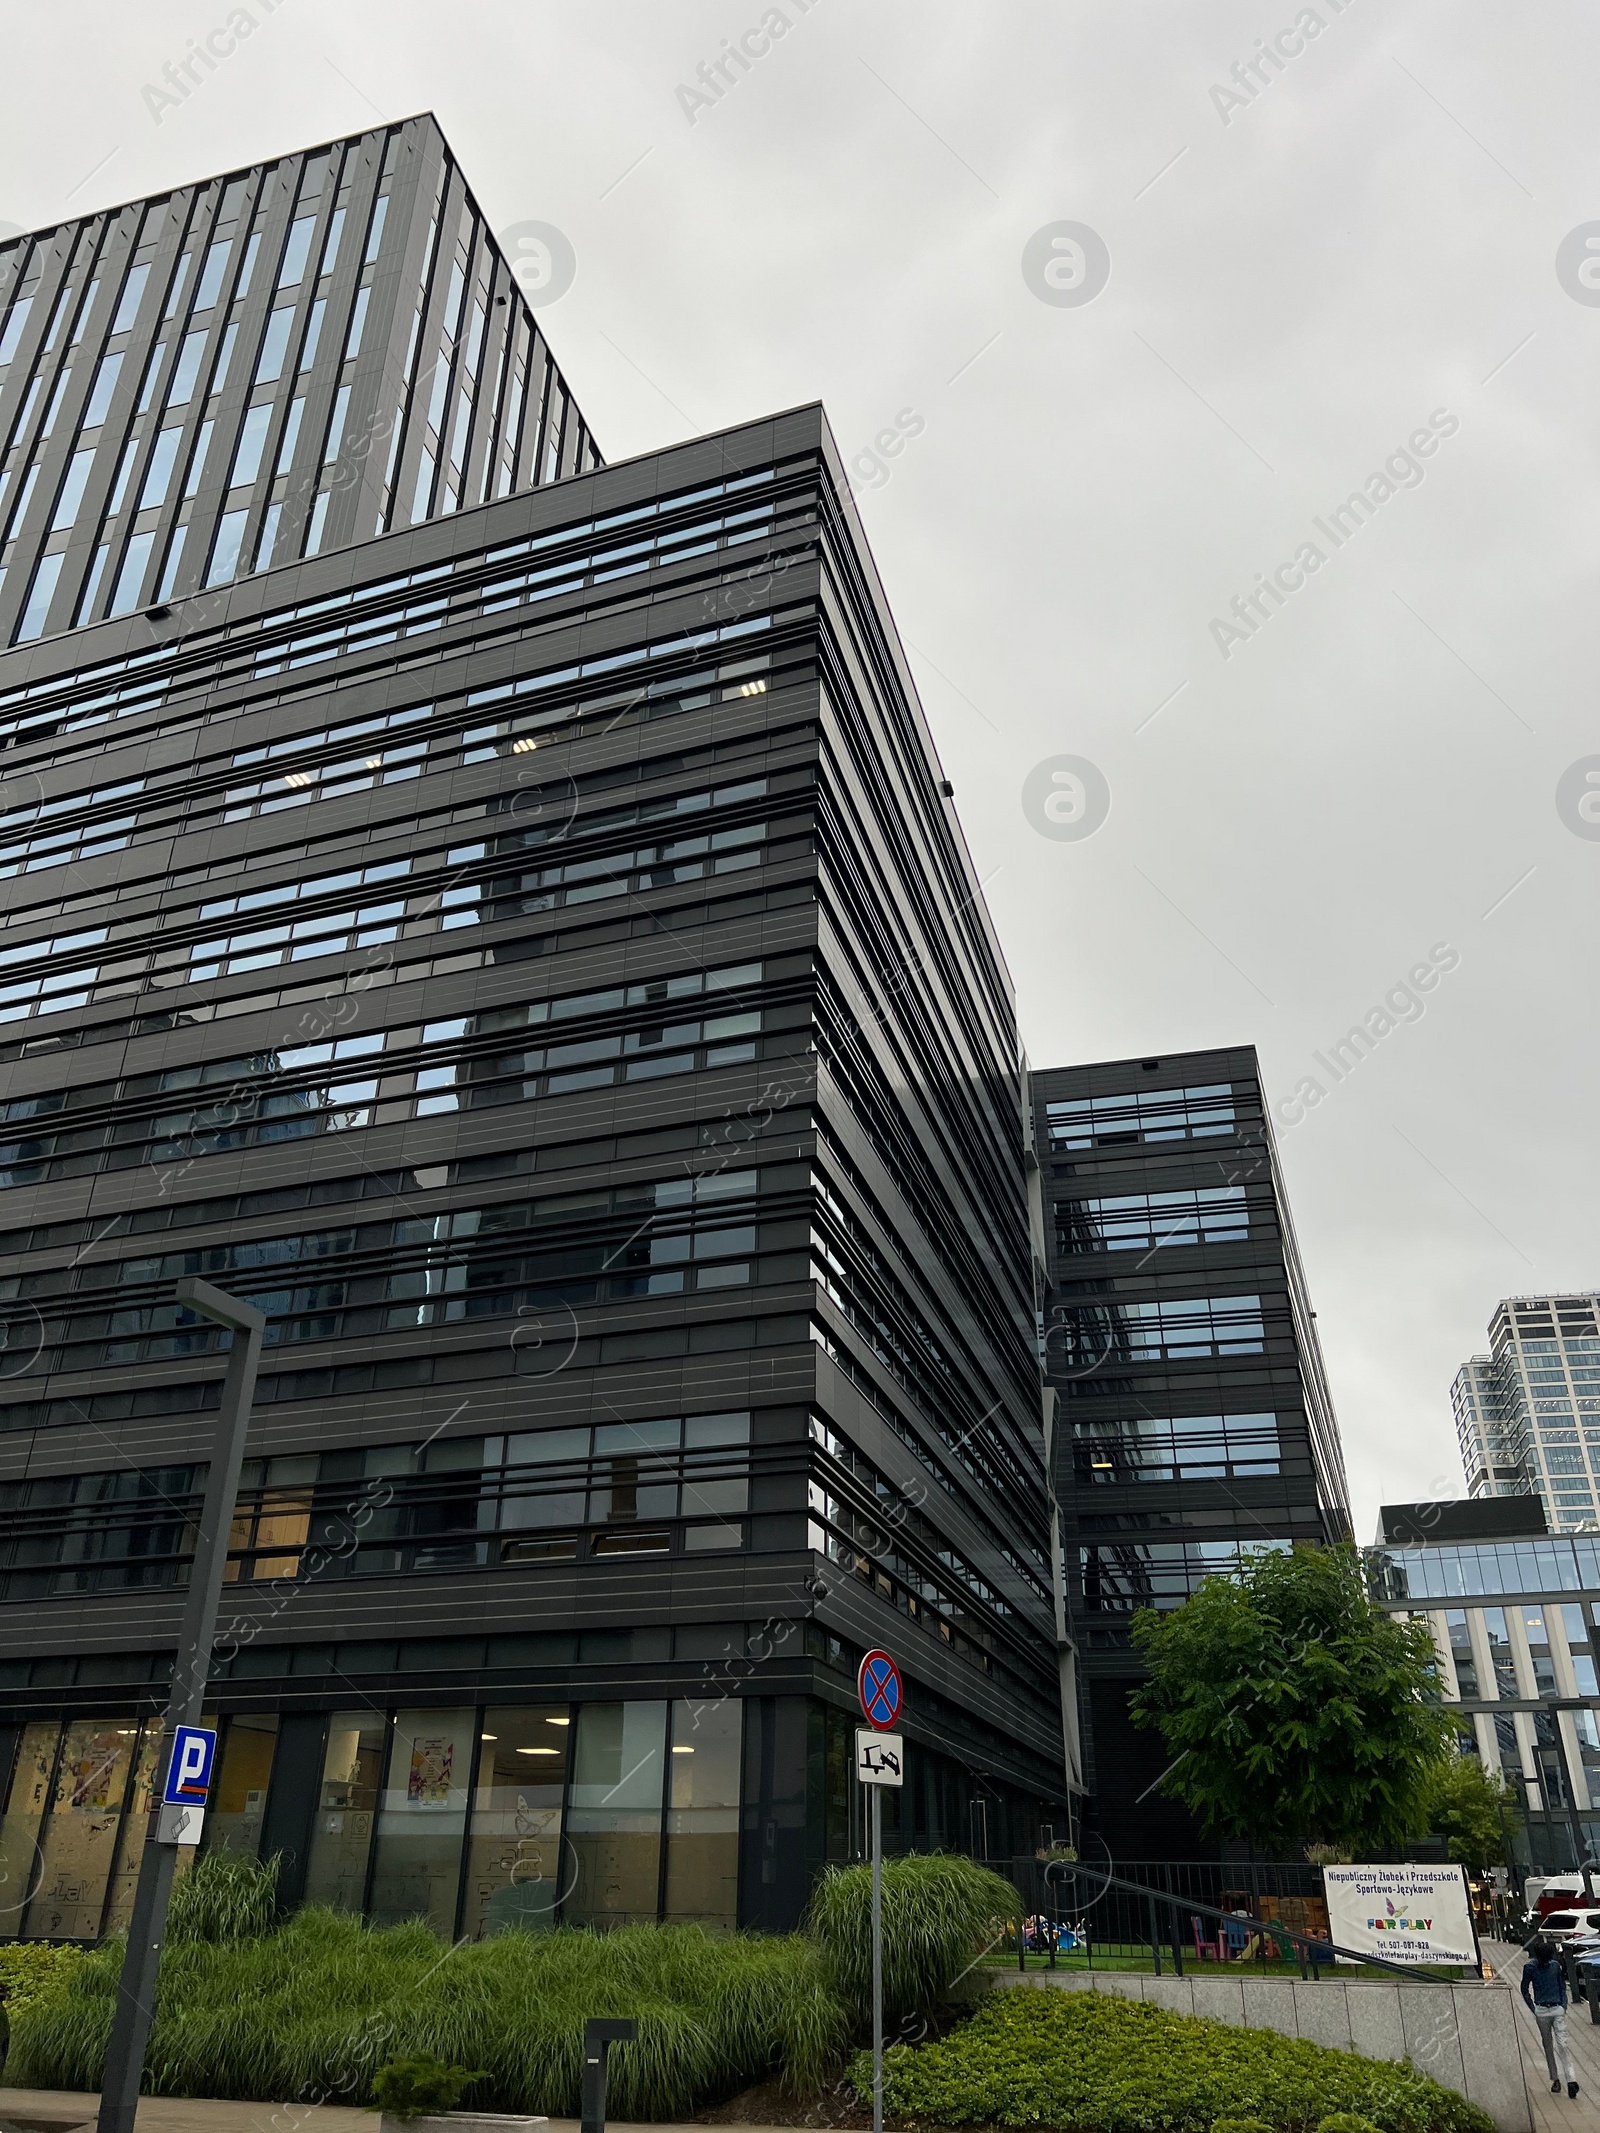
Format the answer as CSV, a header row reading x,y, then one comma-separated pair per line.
x,y
130,2025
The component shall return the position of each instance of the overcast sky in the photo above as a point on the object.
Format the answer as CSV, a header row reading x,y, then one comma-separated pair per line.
x,y
1307,267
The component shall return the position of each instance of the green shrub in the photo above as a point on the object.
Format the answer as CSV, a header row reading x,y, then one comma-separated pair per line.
x,y
1240,2125
1108,2065
419,2086
1348,2122
315,2008
30,1969
225,1896
939,1915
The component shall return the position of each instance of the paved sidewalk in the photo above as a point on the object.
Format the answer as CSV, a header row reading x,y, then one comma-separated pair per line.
x,y
60,2108
1580,2114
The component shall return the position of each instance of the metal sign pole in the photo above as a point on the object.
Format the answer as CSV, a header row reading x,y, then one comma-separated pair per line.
x,y
130,2025
877,1959
880,1761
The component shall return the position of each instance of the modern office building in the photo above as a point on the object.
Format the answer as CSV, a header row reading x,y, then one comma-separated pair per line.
x,y
531,952
1182,1348
1519,1409
265,366
1515,1613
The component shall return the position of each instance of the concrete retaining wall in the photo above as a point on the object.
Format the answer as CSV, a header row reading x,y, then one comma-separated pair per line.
x,y
1463,2035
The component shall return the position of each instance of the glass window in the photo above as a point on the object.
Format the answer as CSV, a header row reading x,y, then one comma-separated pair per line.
x,y
641,1486
341,1836
130,578
132,291
614,1825
1505,1664
529,1500
225,555
330,249
105,384
341,408
274,345
210,283
514,1861
308,354
1461,1652
239,1797
703,1813
1550,1761
1580,1647
1544,1671
296,250
1588,1732
252,439
187,368
422,1819
80,1837
72,490
197,463
40,595
16,319
169,572
375,234
230,337
135,1828
19,1833
158,473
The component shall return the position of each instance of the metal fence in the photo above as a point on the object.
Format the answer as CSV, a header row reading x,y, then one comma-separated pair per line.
x,y
1161,1912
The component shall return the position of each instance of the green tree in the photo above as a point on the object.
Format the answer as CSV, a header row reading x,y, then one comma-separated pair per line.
x,y
1474,1810
1295,1709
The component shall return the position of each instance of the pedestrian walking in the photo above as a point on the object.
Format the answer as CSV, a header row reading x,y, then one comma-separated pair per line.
x,y
1544,1988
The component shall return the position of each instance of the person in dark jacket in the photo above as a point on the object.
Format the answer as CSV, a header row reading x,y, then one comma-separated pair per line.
x,y
1544,1989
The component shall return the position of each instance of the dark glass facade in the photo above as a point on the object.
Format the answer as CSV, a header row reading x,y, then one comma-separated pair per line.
x,y
1179,1341
1516,1624
268,365
529,953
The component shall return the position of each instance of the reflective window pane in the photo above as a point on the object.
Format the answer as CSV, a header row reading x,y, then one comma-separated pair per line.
x,y
135,1828
703,1817
19,1833
80,1837
341,1835
514,1862
614,1825
239,1797
422,1819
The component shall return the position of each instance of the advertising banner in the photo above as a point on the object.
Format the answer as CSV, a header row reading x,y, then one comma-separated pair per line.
x,y
1405,1914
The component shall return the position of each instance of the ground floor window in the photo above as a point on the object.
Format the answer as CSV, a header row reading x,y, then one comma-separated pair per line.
x,y
473,1818
74,1826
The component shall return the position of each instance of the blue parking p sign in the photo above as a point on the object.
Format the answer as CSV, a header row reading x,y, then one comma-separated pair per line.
x,y
189,1772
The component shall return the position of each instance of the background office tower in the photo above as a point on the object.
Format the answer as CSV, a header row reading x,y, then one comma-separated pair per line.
x,y
531,954
264,366
1181,1345
1520,1408
1515,1613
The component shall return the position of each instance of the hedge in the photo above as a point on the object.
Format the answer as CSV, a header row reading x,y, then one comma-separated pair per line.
x,y
1100,2064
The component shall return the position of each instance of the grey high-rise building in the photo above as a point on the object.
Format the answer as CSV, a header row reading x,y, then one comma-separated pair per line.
x,y
531,951
269,365
1528,1413
1181,1347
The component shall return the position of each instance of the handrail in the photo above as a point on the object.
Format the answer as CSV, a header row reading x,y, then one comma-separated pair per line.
x,y
1179,1904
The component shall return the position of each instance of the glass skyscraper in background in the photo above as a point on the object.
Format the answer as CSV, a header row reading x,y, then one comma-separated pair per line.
x,y
1515,1616
1528,1413
503,914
